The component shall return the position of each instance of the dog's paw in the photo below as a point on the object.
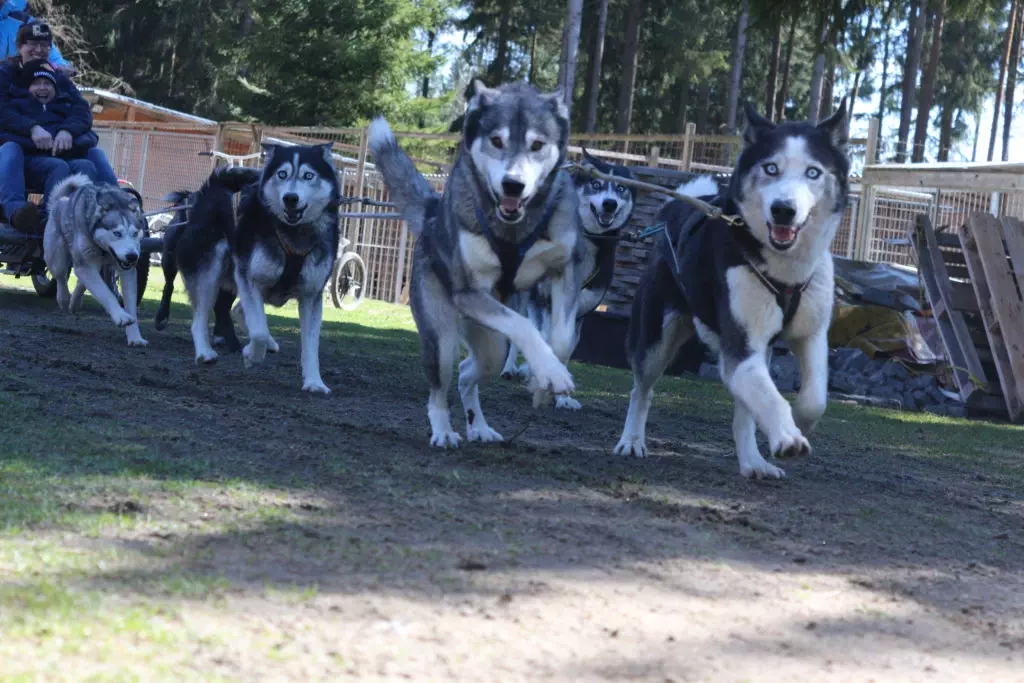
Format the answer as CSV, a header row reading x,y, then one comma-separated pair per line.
x,y
516,372
541,397
567,403
254,352
631,446
137,342
272,345
206,357
315,386
551,376
761,469
122,319
75,303
445,439
482,433
790,443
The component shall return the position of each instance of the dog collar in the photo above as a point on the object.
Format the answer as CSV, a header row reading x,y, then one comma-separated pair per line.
x,y
286,244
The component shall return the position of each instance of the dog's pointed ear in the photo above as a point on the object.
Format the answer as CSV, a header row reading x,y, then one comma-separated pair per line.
x,y
557,100
325,149
268,148
482,96
87,204
838,126
755,124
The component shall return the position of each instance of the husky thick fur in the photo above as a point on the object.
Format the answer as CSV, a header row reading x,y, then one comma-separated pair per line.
x,y
741,287
605,208
95,227
282,246
505,222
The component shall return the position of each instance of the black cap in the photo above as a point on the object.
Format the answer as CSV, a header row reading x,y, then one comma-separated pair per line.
x,y
35,30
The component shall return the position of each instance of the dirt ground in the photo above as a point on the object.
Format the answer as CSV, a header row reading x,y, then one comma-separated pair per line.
x,y
890,554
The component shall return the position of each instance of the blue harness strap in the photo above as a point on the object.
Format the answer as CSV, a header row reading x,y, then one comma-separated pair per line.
x,y
510,254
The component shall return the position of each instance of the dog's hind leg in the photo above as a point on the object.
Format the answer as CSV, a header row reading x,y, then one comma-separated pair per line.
x,y
311,311
486,351
568,402
560,330
511,369
130,295
650,358
163,313
77,297
439,342
92,279
223,323
238,315
203,287
255,352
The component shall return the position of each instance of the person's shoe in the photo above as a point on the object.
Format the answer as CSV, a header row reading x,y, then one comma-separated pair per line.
x,y
27,220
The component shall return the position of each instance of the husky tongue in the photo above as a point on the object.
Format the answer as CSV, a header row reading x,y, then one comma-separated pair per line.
x,y
510,204
783,233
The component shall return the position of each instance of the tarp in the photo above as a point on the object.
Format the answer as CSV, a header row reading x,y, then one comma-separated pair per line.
x,y
880,331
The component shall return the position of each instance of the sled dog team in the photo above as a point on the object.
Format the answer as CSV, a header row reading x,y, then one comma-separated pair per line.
x,y
508,260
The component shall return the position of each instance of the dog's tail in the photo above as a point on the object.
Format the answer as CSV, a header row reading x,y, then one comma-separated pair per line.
x,y
408,188
66,188
234,179
701,186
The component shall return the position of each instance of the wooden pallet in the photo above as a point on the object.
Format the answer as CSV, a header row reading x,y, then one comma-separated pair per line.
x,y
943,269
997,273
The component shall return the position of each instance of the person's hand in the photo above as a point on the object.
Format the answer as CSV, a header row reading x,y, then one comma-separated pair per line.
x,y
68,70
40,138
61,143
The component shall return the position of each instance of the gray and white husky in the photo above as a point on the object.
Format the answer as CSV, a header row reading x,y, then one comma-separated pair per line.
x,y
505,222
605,209
282,246
92,227
740,287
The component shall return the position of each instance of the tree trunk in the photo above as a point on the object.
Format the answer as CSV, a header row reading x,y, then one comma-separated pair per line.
x,y
910,71
500,64
1011,80
570,48
862,66
924,103
532,76
683,100
818,72
773,70
887,43
784,93
594,70
1011,27
945,132
977,135
705,106
736,77
634,18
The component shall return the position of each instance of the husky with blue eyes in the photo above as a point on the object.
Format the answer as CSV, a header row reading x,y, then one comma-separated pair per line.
x,y
741,286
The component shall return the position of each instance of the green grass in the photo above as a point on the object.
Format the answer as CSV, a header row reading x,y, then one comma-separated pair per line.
x,y
75,497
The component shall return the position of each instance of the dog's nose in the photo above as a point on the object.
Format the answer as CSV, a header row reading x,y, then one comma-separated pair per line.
x,y
291,200
512,187
131,258
609,205
783,213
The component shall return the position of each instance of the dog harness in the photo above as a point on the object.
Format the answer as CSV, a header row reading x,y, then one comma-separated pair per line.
x,y
787,297
510,254
293,262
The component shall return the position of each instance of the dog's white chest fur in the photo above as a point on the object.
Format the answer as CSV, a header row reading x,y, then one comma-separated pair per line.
x,y
542,259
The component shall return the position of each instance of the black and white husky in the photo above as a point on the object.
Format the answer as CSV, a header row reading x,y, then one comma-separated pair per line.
x,y
740,287
281,247
505,222
605,209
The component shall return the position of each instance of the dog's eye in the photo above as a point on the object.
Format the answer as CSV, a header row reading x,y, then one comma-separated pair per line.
x,y
118,234
771,169
282,175
596,184
497,142
536,146
621,189
813,173
308,175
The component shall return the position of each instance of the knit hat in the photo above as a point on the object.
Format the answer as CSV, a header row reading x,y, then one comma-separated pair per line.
x,y
34,30
37,68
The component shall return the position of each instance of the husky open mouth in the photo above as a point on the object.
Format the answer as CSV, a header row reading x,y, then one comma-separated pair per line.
x,y
510,209
123,265
293,216
782,237
604,218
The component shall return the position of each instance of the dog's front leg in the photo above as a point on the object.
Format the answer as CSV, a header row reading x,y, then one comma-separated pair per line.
x,y
812,354
130,294
311,310
251,299
97,286
751,384
548,371
564,306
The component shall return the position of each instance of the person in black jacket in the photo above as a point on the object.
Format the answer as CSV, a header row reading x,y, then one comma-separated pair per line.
x,y
45,131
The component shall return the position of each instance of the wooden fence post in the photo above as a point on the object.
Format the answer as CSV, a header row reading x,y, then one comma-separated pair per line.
x,y
364,140
871,153
866,214
691,130
653,156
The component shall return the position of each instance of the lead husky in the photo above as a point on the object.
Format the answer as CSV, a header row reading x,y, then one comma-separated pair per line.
x,y
740,287
605,208
93,226
283,247
504,223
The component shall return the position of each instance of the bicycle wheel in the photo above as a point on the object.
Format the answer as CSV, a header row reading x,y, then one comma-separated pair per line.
x,y
348,282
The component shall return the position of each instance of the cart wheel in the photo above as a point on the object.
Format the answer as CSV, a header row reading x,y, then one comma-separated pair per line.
x,y
44,285
348,282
